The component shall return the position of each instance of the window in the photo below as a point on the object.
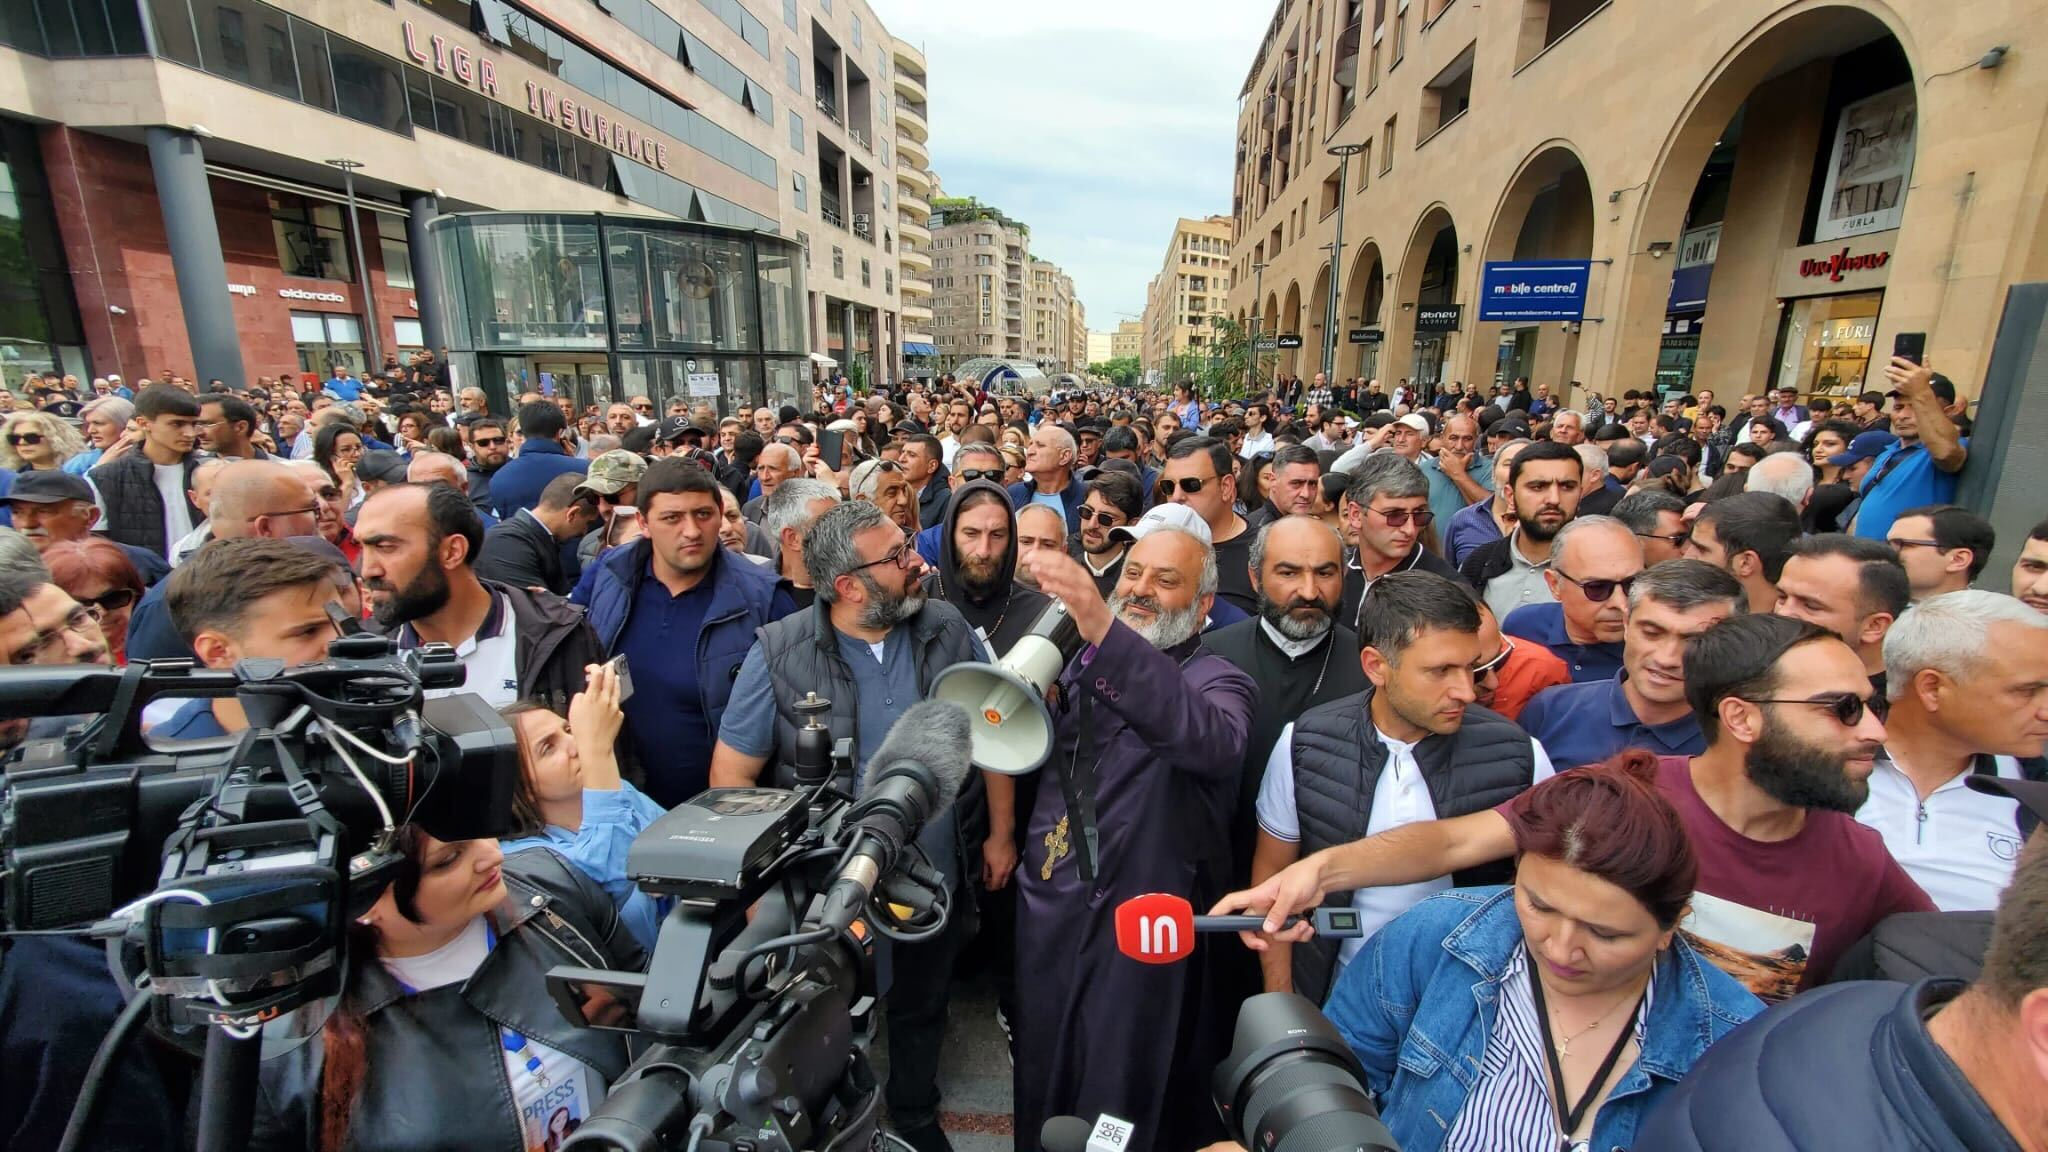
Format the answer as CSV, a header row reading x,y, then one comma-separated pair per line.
x,y
396,251
1387,147
1328,203
326,339
888,281
801,191
838,262
796,132
856,30
1365,166
239,39
310,238
789,14
1395,36
1447,96
793,71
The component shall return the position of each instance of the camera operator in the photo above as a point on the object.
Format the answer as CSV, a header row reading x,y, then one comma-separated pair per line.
x,y
871,644
446,1007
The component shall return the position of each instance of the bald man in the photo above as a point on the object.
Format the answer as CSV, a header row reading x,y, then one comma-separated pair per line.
x,y
1039,529
1049,459
441,468
201,494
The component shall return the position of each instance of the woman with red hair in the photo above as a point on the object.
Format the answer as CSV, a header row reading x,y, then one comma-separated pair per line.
x,y
1554,1014
96,573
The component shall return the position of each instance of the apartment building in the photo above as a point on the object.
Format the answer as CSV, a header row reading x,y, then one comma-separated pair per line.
x,y
1730,195
914,188
1127,340
1191,287
238,189
979,282
1052,320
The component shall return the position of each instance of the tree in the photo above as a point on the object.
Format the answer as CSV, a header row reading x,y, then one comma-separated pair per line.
x,y
1221,369
1122,371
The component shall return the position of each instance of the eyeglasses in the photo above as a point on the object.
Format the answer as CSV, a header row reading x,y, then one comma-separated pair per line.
x,y
643,407
314,510
1489,667
112,601
1902,543
1846,707
1676,539
83,619
1187,484
1597,591
1399,517
1107,518
897,556
30,439
970,475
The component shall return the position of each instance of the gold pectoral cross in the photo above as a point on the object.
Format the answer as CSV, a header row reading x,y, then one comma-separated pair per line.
x,y
1057,846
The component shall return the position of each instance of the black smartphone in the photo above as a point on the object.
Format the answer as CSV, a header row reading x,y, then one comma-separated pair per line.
x,y
832,449
1910,346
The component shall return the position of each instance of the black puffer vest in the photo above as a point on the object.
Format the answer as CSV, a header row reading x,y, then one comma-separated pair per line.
x,y
1337,764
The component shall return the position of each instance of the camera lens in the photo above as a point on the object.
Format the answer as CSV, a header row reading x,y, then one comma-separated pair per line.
x,y
1291,1084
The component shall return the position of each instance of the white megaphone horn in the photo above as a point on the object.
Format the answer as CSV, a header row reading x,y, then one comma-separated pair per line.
x,y
1005,701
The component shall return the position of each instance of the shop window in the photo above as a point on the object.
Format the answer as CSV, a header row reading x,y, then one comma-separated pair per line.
x,y
782,298
311,239
532,283
676,290
396,251
411,337
326,339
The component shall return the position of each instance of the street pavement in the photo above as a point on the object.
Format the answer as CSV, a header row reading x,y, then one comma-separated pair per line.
x,y
974,1075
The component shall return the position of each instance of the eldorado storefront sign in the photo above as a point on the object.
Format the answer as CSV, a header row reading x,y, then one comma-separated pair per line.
x,y
481,73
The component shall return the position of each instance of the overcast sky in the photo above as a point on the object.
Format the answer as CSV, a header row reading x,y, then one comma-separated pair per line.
x,y
1095,122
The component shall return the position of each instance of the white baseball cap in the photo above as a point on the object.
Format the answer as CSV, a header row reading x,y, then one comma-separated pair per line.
x,y
1178,516
1417,421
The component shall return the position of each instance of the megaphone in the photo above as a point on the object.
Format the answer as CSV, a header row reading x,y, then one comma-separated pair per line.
x,y
1005,701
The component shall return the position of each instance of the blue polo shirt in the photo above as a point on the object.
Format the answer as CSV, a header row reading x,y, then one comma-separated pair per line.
x,y
194,720
1580,724
1446,499
666,711
1471,529
1911,482
1544,623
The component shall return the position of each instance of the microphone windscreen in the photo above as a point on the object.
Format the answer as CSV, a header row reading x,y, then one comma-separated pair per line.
x,y
1064,1134
938,736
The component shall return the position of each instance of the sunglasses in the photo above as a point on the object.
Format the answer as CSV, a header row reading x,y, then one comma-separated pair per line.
x,y
1489,667
970,475
1108,519
491,442
112,601
1846,707
643,407
29,438
1188,484
1399,517
1676,540
1598,590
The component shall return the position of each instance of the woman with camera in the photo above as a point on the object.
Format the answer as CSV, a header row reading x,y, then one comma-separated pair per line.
x,y
1554,1014
445,1035
572,801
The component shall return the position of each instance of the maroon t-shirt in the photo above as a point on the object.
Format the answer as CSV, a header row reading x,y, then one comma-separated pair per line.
x,y
1776,914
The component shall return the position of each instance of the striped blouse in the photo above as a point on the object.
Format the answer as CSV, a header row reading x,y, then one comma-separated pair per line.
x,y
1509,1109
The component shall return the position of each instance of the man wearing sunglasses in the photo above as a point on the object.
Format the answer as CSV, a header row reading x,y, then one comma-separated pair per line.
x,y
1787,879
1200,474
54,507
1645,706
1386,513
1594,561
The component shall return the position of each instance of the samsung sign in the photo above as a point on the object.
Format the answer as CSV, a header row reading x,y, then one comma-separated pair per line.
x,y
1533,290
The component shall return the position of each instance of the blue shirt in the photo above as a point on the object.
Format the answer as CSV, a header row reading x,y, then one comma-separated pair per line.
x,y
1580,724
598,846
666,711
151,635
517,486
1446,499
1471,529
194,720
1912,482
348,389
1544,623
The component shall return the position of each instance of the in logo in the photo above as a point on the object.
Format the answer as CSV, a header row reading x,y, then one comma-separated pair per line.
x,y
1156,928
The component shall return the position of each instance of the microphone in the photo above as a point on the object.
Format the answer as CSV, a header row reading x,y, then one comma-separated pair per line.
x,y
915,774
1159,928
1073,1134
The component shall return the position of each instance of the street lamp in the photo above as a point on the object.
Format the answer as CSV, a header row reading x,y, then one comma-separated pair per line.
x,y
1258,316
355,232
1344,153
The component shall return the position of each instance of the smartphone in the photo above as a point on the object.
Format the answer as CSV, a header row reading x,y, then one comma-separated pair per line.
x,y
625,674
1910,346
622,514
832,449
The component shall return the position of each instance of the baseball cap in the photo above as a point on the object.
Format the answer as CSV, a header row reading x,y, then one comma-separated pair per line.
x,y
1417,421
382,467
40,486
1943,388
1178,516
1866,446
612,471
672,428
2031,794
907,428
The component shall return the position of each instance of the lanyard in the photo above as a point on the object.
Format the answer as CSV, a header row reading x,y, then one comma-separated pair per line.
x,y
1569,1118
1077,787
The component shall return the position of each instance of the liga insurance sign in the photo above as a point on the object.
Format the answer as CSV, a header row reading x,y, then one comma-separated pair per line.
x,y
1533,290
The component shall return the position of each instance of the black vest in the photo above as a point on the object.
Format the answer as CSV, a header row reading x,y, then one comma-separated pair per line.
x,y
1337,763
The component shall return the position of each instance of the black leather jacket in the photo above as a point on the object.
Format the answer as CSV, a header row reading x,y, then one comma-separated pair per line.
x,y
435,1074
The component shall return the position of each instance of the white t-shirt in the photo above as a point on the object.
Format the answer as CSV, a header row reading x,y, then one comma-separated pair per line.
x,y
1400,797
1960,845
170,484
492,661
553,1091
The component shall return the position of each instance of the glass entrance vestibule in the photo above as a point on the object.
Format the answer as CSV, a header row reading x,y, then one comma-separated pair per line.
x,y
601,308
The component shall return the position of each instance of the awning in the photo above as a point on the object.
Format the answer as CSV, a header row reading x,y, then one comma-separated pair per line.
x,y
913,348
821,358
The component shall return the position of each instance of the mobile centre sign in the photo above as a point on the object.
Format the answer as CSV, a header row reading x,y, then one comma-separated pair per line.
x,y
1515,290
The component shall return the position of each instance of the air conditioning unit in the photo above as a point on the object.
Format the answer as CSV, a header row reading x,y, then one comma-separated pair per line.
x,y
862,224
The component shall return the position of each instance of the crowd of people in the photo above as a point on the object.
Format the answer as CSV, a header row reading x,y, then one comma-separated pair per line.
x,y
1618,725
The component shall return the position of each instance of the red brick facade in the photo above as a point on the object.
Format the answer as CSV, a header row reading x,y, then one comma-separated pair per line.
x,y
113,233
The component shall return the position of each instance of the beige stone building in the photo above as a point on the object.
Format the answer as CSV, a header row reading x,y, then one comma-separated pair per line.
x,y
1051,324
1127,340
1078,336
979,282
1192,285
1746,192
1099,345
914,187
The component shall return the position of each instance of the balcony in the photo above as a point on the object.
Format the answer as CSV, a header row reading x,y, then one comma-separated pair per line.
x,y
1266,109
1345,71
861,138
913,203
917,180
910,229
912,151
908,55
831,216
913,259
910,121
830,111
1289,68
913,286
909,84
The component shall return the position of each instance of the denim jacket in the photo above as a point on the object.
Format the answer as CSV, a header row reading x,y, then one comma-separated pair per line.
x,y
1418,1006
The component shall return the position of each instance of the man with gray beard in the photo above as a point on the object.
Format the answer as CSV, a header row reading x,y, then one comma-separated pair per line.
x,y
1137,797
